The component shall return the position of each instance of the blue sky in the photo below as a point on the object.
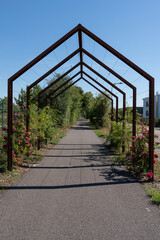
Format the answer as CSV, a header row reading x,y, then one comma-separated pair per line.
x,y
29,27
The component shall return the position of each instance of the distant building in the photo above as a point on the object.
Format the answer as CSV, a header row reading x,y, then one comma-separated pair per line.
x,y
156,106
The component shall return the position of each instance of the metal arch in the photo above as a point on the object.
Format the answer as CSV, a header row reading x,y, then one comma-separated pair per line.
x,y
80,28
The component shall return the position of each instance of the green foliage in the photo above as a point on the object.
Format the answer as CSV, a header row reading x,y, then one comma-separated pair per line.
x,y
116,135
99,115
157,122
87,105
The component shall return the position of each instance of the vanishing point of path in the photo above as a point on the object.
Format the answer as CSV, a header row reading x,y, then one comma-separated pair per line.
x,y
76,194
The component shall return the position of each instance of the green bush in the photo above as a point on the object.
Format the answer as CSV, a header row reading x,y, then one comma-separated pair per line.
x,y
157,122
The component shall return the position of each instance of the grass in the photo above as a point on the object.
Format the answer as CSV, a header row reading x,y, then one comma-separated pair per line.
x,y
102,132
58,134
154,193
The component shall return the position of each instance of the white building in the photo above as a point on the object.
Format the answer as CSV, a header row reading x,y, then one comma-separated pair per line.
x,y
156,106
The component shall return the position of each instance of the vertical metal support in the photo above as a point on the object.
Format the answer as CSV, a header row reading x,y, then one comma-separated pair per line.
x,y
124,125
38,140
151,126
28,108
116,109
111,109
10,103
134,112
81,54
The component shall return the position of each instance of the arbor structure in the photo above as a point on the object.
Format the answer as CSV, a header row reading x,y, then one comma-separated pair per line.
x,y
82,30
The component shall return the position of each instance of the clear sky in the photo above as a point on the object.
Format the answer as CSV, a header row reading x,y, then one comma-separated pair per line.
x,y
28,27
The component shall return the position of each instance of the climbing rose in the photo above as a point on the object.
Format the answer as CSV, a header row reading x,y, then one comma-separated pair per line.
x,y
131,147
14,155
156,155
14,128
3,128
17,162
19,140
29,152
22,106
21,149
133,137
5,137
155,160
133,158
150,175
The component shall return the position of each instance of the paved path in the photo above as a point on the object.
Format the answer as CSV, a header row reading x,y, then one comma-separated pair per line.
x,y
75,193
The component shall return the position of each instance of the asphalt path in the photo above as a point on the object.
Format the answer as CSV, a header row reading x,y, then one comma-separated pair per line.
x,y
76,193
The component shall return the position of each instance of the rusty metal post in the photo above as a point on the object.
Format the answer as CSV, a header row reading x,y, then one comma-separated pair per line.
x,y
38,140
116,109
112,110
28,109
124,118
10,109
134,112
151,126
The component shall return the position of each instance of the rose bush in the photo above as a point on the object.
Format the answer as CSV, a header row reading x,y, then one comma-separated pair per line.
x,y
137,158
21,140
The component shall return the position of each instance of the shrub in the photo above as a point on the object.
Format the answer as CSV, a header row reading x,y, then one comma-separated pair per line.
x,y
137,158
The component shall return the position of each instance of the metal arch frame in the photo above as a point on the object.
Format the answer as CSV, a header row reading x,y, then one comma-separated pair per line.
x,y
79,28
